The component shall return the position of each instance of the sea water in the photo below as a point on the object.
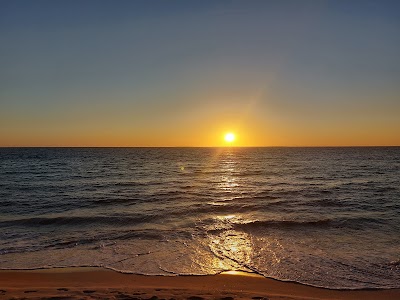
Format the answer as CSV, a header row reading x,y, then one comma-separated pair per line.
x,y
326,217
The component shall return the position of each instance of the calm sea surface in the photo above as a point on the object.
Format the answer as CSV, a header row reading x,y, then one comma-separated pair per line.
x,y
322,216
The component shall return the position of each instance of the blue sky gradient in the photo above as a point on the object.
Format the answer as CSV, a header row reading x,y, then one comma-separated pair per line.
x,y
180,73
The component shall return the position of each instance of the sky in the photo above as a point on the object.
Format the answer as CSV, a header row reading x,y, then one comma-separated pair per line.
x,y
184,73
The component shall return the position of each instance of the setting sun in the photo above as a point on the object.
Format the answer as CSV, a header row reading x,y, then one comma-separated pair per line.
x,y
229,137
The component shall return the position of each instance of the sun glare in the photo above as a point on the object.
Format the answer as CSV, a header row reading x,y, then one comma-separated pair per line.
x,y
229,137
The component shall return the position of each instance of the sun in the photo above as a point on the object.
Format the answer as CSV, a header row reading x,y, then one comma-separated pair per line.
x,y
229,137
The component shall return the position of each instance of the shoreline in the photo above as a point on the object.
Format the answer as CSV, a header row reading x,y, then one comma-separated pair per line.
x,y
102,283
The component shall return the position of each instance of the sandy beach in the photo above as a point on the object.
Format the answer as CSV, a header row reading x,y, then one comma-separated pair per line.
x,y
98,283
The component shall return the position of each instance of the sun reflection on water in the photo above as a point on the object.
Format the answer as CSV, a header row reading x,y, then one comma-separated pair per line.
x,y
232,247
229,167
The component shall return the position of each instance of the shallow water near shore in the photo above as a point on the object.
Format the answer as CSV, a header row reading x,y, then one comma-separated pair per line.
x,y
327,217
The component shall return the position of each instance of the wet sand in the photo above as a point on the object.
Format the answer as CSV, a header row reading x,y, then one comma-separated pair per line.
x,y
98,283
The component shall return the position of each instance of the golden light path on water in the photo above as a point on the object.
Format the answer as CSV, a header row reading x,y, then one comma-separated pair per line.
x,y
232,249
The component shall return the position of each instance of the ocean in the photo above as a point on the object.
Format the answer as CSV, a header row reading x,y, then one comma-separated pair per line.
x,y
327,217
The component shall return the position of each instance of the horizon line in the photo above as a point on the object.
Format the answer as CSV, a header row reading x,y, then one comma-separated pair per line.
x,y
329,146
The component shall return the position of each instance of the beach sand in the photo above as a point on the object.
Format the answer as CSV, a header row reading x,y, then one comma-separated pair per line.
x,y
98,283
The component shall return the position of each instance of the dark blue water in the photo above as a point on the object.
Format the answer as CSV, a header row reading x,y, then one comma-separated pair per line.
x,y
321,216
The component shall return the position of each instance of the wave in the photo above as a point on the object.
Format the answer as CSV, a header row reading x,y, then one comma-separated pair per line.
x,y
79,220
284,224
135,183
326,202
350,223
